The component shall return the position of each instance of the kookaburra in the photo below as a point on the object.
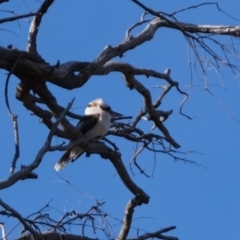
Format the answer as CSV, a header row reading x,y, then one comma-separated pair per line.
x,y
94,125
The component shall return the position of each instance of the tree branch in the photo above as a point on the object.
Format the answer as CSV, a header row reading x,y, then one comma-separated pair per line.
x,y
4,232
32,37
29,102
14,119
10,19
115,159
24,172
55,236
127,221
133,83
18,216
2,1
157,234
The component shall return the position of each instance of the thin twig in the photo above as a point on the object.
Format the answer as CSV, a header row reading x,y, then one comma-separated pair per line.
x,y
14,119
111,143
157,234
9,19
134,158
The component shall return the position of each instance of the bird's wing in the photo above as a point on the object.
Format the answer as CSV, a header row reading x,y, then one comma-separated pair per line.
x,y
84,125
87,122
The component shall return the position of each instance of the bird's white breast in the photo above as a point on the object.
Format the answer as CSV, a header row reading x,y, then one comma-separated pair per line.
x,y
101,127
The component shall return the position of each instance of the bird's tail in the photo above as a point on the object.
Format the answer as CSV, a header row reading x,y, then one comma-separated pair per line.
x,y
63,161
70,155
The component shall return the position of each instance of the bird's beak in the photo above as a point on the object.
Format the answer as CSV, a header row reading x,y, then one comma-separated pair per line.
x,y
115,114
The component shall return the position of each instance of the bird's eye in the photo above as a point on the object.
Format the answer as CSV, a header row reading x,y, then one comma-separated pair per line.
x,y
89,105
106,108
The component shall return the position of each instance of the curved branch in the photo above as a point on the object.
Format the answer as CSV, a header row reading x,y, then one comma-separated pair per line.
x,y
32,38
127,221
9,56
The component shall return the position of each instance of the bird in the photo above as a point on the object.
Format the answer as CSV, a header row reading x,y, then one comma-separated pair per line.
x,y
93,125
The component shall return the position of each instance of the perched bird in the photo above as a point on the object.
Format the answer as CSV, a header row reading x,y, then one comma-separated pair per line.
x,y
94,125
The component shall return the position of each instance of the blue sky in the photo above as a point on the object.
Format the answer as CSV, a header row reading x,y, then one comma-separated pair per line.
x,y
203,202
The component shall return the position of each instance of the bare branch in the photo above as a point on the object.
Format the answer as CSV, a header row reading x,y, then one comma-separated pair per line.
x,y
115,158
157,234
121,118
32,38
201,5
6,85
133,83
45,116
24,172
2,1
111,143
10,19
16,140
51,102
127,221
192,27
193,7
18,216
55,236
34,74
4,232
142,21
134,158
64,76
14,119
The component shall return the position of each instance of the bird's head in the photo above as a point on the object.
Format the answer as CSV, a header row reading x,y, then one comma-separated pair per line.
x,y
98,106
